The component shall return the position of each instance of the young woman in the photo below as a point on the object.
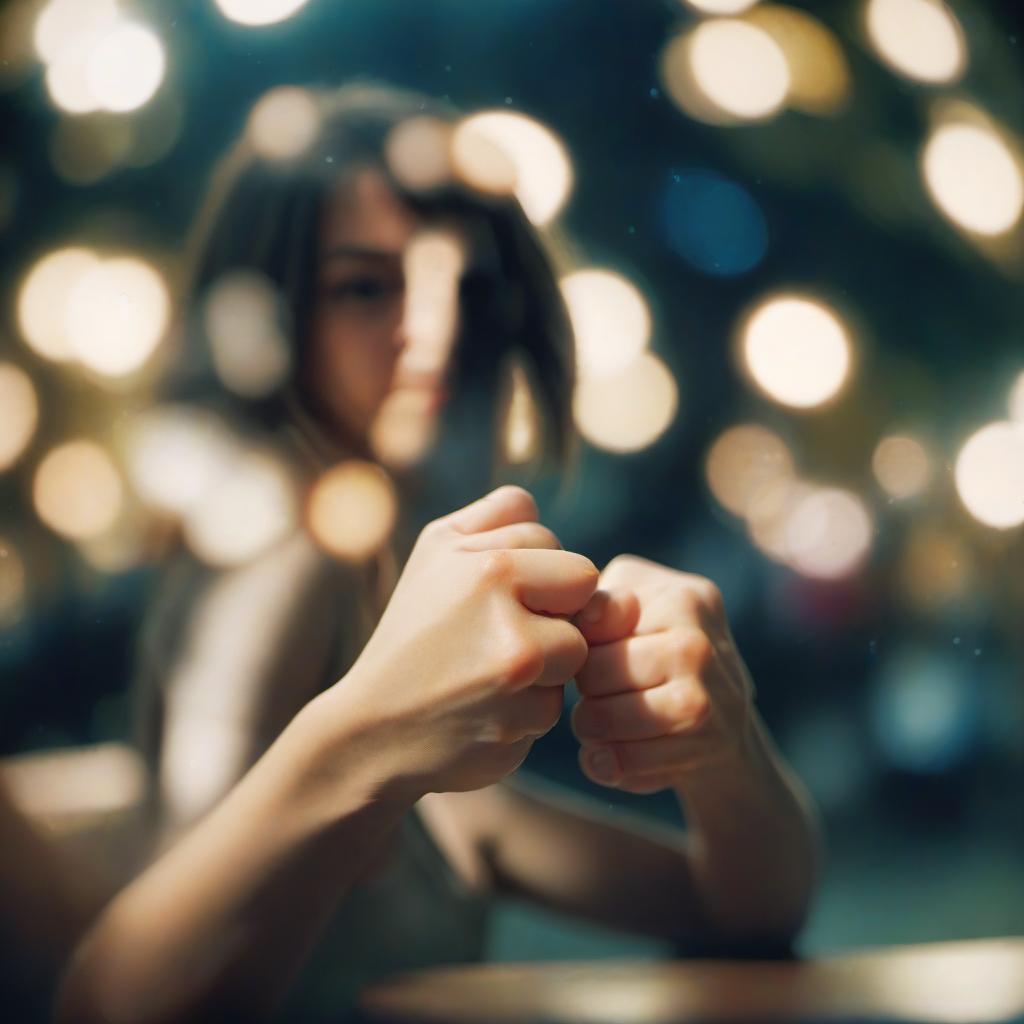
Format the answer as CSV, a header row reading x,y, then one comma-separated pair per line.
x,y
374,828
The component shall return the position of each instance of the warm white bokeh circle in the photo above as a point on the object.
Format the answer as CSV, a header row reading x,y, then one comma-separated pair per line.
x,y
353,509
543,169
989,474
610,320
284,122
918,38
901,466
259,12
828,533
125,67
796,350
19,413
739,68
77,490
973,178
44,300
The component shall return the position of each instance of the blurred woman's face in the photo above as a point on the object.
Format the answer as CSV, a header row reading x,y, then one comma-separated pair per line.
x,y
358,325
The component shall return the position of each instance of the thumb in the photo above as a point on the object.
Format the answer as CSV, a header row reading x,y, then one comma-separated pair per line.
x,y
504,506
609,615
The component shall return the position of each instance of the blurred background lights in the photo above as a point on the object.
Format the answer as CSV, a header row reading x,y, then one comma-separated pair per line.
x,y
242,317
13,584
125,67
829,533
770,512
418,152
742,462
925,711
713,223
44,300
739,68
19,413
973,178
630,410
796,350
352,510
819,77
720,6
990,474
117,313
67,81
901,466
543,169
480,162
610,320
283,123
249,506
921,39
1016,402
61,22
259,12
174,453
77,490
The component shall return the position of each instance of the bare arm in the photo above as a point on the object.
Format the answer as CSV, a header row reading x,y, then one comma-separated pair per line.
x,y
224,920
739,877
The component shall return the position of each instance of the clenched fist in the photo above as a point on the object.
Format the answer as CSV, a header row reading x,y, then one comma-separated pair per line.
x,y
664,691
466,667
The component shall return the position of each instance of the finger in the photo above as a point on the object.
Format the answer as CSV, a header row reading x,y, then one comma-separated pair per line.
x,y
610,764
503,506
640,662
516,535
634,571
674,707
556,582
609,615
565,650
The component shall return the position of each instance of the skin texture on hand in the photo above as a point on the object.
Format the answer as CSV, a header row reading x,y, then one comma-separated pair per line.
x,y
466,667
665,694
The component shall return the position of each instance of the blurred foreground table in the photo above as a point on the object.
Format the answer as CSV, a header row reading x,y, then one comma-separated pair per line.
x,y
976,981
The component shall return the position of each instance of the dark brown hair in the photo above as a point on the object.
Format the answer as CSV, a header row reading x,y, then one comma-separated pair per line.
x,y
264,215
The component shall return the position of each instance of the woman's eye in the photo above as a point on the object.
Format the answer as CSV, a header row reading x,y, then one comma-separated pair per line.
x,y
362,289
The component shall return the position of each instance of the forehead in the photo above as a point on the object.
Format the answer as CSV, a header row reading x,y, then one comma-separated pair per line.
x,y
364,211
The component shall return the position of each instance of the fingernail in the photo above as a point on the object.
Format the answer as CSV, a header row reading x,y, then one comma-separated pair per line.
x,y
603,765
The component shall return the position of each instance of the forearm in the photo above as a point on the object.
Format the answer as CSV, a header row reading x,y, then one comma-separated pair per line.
x,y
225,919
755,844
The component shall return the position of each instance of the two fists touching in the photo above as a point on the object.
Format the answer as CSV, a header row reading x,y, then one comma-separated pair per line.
x,y
488,621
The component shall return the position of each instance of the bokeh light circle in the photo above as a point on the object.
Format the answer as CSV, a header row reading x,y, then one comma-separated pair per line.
x,y
610,320
543,169
743,461
713,223
117,314
77,490
739,68
989,474
19,413
630,410
125,67
352,510
796,350
901,466
44,300
259,12
829,533
973,178
920,39
283,123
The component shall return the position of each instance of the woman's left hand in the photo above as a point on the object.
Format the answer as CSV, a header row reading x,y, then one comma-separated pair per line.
x,y
665,693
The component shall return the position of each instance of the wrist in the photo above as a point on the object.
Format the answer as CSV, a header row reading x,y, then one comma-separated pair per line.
x,y
337,766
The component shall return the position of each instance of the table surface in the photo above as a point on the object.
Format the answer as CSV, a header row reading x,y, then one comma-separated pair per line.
x,y
976,981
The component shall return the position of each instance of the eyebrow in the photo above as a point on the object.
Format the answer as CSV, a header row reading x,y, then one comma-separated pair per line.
x,y
362,252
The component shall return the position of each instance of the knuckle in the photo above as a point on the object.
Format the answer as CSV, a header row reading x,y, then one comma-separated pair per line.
x,y
690,649
688,704
710,597
495,567
521,663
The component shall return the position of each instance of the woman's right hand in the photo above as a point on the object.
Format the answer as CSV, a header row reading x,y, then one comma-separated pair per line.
x,y
466,667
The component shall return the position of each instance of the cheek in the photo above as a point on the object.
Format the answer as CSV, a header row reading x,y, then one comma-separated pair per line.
x,y
349,370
